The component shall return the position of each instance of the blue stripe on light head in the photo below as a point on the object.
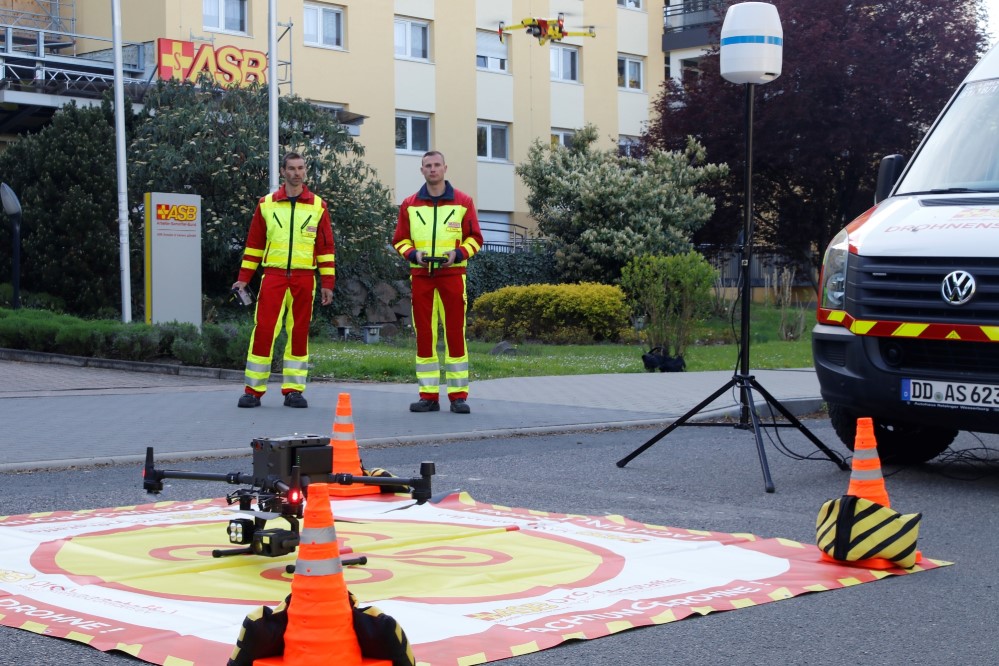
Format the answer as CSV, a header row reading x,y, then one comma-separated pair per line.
x,y
752,39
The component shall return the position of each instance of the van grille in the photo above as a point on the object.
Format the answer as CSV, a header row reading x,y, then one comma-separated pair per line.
x,y
908,289
972,359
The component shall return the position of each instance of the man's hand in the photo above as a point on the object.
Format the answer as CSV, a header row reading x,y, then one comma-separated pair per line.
x,y
452,256
420,257
326,295
239,284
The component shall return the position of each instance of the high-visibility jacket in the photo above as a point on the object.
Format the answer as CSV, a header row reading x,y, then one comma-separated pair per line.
x,y
292,239
436,226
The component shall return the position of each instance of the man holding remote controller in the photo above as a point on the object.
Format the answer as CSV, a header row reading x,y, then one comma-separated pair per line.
x,y
437,232
291,235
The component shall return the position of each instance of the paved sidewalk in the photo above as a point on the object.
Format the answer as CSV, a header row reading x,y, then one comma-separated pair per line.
x,y
56,415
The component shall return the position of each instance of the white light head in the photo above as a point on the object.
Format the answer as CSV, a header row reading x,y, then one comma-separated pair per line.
x,y
752,43
11,205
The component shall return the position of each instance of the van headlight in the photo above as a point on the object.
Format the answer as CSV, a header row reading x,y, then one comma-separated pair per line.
x,y
834,272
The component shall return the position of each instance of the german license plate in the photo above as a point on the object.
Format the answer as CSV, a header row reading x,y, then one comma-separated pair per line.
x,y
950,393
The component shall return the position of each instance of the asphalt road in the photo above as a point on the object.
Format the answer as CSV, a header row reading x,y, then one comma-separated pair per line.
x,y
702,478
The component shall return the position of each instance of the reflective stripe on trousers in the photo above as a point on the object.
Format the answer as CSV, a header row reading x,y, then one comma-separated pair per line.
x,y
288,301
440,301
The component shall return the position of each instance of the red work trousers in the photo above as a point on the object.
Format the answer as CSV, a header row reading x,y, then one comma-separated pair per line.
x,y
288,298
440,300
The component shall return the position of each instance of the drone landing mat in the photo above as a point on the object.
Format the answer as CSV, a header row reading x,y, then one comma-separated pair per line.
x,y
468,582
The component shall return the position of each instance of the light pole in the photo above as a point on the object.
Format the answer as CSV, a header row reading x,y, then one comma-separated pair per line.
x,y
12,207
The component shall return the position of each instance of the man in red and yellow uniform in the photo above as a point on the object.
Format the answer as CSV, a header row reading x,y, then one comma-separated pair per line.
x,y
291,235
437,232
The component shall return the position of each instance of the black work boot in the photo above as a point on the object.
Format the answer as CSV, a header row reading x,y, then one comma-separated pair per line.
x,y
248,400
295,399
459,406
424,405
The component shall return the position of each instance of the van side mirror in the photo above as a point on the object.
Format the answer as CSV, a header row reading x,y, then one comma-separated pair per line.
x,y
888,173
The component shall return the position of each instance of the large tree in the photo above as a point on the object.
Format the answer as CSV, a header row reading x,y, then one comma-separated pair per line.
x,y
861,79
64,178
601,209
214,143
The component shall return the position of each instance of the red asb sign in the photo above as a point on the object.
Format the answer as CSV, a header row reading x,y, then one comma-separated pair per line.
x,y
228,65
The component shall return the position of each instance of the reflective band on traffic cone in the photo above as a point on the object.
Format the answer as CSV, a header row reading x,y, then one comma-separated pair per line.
x,y
866,479
346,457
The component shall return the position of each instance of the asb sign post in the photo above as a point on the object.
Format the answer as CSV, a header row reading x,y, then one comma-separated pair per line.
x,y
173,258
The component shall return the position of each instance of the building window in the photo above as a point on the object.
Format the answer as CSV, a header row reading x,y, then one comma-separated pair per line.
x,y
564,63
412,133
323,26
229,15
629,73
562,137
631,4
690,69
412,39
492,140
629,146
490,52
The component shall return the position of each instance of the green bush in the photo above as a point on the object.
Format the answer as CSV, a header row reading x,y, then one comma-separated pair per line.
x,y
225,344
172,331
135,342
558,314
489,271
85,339
34,334
673,293
189,352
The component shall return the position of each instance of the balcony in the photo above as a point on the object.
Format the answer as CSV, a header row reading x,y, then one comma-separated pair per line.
x,y
688,24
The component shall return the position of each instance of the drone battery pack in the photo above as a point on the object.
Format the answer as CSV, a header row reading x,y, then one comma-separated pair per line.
x,y
275,456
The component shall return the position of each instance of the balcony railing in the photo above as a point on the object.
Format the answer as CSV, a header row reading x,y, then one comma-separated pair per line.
x,y
693,14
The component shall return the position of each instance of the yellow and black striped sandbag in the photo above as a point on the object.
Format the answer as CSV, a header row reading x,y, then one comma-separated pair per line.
x,y
378,471
853,528
379,635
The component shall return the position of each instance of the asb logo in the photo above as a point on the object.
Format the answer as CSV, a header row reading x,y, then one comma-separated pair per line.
x,y
179,213
229,65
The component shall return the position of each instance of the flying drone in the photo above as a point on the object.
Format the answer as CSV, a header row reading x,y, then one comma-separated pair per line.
x,y
546,29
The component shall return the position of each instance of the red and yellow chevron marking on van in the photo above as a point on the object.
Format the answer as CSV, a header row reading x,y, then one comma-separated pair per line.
x,y
900,329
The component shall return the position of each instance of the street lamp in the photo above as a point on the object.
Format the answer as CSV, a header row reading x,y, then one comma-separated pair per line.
x,y
12,207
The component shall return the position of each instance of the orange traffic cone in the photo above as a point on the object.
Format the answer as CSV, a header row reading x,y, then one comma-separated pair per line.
x,y
320,618
346,457
867,482
866,479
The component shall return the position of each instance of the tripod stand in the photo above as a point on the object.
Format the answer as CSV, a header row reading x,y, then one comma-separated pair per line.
x,y
746,383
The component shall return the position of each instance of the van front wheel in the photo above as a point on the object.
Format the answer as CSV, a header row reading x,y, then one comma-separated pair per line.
x,y
899,443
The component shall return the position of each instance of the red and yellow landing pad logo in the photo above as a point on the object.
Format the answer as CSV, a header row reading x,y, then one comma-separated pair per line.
x,y
228,65
404,559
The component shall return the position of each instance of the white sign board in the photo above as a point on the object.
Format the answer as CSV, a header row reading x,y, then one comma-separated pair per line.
x,y
173,258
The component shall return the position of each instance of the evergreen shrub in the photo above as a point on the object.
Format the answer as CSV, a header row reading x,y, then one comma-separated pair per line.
x,y
556,314
489,271
135,342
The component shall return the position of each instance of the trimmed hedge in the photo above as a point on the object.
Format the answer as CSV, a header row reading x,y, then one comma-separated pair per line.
x,y
556,314
216,345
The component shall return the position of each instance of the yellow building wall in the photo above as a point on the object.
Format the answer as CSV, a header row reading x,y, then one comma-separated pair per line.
x,y
366,77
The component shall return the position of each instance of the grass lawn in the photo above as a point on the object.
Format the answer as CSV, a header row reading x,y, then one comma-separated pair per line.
x,y
392,361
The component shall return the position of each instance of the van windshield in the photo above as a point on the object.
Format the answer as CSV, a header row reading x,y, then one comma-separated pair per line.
x,y
962,153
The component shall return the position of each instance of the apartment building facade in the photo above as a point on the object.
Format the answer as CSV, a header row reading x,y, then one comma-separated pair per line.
x,y
405,75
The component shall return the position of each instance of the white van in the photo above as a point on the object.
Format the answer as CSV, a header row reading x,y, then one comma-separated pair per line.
x,y
908,312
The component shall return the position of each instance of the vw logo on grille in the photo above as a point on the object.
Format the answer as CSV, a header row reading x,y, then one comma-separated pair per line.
x,y
958,288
